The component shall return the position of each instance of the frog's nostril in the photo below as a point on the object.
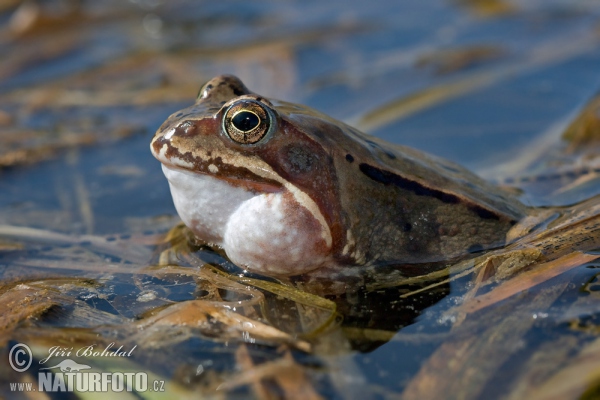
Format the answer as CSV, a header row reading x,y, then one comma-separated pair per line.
x,y
186,128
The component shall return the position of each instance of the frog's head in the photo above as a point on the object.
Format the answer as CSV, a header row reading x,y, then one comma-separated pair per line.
x,y
220,135
252,175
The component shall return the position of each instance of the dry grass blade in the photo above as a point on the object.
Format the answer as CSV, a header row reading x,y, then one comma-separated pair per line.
x,y
292,294
415,280
316,313
543,56
236,282
374,335
289,375
126,249
576,231
585,129
203,314
527,280
470,358
490,326
45,149
23,302
581,128
294,382
580,378
249,376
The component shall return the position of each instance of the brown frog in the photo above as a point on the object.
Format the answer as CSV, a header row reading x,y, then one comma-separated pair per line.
x,y
285,190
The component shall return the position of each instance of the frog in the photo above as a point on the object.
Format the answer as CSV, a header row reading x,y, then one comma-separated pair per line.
x,y
285,190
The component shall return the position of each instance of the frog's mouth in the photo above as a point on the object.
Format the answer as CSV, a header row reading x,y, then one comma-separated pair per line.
x,y
249,182
253,185
236,176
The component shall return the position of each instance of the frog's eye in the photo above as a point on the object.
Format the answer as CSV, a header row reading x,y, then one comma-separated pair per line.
x,y
247,121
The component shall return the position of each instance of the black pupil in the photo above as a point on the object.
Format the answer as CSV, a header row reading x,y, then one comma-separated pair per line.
x,y
245,121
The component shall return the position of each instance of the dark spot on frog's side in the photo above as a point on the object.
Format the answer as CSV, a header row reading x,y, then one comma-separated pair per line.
x,y
349,158
389,178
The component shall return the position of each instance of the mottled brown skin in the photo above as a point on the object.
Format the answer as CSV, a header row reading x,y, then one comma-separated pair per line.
x,y
384,204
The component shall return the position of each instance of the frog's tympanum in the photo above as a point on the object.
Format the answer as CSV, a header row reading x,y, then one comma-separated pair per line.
x,y
285,190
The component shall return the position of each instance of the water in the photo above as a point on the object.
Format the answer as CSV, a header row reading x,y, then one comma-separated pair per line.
x,y
83,87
